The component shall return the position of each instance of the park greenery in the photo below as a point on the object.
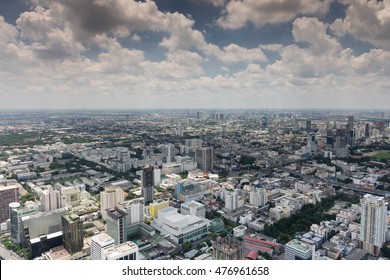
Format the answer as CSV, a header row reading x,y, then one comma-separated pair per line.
x,y
285,229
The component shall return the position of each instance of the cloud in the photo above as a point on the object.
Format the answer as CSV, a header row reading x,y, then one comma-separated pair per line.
x,y
368,21
239,13
50,37
216,3
233,53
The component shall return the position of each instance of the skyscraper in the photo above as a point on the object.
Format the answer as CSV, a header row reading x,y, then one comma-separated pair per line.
x,y
147,178
72,233
169,153
8,194
350,122
204,157
373,223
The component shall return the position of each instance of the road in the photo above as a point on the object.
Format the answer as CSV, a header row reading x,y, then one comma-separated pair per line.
x,y
8,255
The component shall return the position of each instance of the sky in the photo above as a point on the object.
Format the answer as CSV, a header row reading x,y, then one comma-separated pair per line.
x,y
125,54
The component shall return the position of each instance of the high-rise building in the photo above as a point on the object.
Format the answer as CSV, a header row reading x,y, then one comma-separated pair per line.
x,y
350,122
99,243
228,248
373,223
367,130
17,215
109,198
258,197
50,199
72,233
297,250
169,153
204,156
308,125
147,179
156,176
134,209
116,224
8,194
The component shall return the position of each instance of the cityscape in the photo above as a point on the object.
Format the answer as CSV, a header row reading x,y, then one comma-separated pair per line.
x,y
195,184
195,130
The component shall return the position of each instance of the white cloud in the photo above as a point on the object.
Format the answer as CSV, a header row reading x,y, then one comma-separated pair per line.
x,y
239,13
216,3
234,53
368,21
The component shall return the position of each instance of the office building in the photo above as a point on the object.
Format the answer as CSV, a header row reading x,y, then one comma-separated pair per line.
x,y
228,248
134,209
8,194
110,198
147,179
373,223
125,251
99,243
297,250
72,233
116,224
204,157
18,213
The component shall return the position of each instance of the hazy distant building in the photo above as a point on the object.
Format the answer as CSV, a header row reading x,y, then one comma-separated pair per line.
x,y
8,194
373,223
204,156
147,179
72,233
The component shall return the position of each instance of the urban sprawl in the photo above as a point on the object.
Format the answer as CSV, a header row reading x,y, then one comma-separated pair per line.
x,y
195,184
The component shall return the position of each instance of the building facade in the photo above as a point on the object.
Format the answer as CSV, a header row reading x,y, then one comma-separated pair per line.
x,y
72,233
373,224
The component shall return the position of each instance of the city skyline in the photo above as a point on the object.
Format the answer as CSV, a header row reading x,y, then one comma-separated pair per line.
x,y
194,54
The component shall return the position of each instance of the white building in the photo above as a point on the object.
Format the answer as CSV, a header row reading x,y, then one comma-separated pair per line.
x,y
193,208
156,176
373,223
124,251
99,243
110,198
297,250
134,209
258,197
50,199
171,168
179,227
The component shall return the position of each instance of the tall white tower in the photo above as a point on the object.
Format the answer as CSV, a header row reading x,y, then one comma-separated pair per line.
x,y
373,224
